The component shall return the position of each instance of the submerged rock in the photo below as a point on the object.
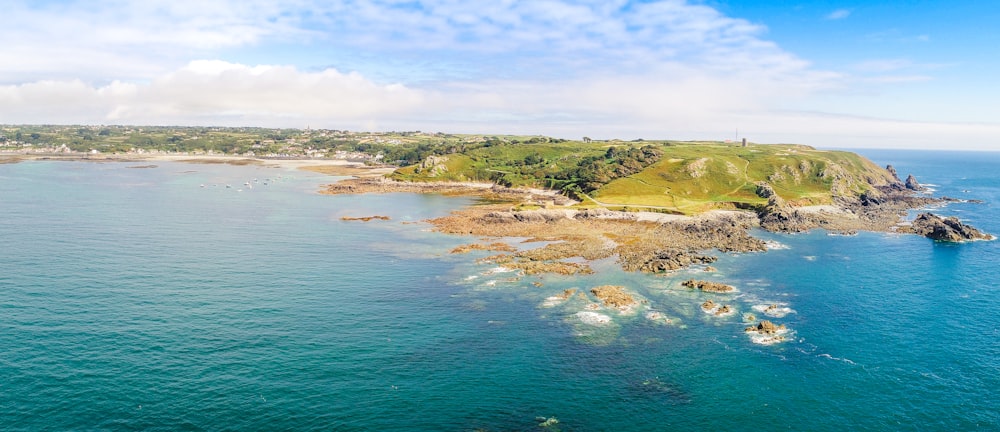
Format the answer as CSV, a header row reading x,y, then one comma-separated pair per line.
x,y
948,229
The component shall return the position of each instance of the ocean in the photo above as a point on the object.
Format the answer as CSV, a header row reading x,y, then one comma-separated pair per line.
x,y
157,298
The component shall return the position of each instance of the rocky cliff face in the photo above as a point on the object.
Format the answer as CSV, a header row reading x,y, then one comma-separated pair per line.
x,y
778,215
432,166
945,229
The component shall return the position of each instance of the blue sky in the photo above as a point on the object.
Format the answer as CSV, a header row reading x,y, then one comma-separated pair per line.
x,y
913,74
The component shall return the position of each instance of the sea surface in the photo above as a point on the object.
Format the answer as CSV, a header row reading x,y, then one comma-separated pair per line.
x,y
158,299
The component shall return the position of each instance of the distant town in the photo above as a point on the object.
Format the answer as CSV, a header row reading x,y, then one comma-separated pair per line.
x,y
266,143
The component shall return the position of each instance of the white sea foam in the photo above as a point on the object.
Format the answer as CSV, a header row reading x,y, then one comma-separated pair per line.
x,y
553,301
774,310
472,277
656,316
810,257
499,269
593,318
770,339
848,361
715,310
775,245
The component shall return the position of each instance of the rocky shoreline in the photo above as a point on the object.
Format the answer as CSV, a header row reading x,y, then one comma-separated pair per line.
x,y
659,243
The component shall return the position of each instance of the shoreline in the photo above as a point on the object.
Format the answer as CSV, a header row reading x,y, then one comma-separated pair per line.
x,y
335,167
645,241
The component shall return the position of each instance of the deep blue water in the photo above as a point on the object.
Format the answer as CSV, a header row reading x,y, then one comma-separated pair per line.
x,y
135,299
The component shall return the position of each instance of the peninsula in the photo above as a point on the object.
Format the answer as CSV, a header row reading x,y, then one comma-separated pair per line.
x,y
658,206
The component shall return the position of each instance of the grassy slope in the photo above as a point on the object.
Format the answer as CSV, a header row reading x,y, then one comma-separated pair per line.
x,y
690,178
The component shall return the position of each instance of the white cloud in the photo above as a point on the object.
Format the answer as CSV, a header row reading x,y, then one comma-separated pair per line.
x,y
211,92
659,69
116,39
839,14
669,102
99,41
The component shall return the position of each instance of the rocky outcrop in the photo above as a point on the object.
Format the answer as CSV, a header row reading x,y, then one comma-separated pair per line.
x,y
365,218
960,200
527,216
614,296
670,260
893,173
495,247
778,215
948,229
708,286
912,184
716,309
765,327
432,166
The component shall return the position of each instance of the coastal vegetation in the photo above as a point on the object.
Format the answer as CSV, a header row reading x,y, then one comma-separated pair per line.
x,y
649,175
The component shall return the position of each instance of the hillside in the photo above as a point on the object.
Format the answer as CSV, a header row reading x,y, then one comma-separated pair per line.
x,y
665,176
668,176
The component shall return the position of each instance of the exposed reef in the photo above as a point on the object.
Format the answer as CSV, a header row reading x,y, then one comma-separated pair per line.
x,y
365,218
614,296
639,244
767,333
708,286
765,327
495,247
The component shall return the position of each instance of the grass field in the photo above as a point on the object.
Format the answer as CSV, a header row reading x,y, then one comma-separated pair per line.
x,y
690,177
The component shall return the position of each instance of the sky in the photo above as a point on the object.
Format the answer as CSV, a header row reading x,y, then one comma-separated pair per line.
x,y
843,74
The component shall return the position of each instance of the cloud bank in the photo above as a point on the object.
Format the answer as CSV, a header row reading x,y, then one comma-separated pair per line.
x,y
659,69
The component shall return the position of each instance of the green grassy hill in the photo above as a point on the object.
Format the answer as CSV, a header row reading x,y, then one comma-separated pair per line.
x,y
684,177
695,178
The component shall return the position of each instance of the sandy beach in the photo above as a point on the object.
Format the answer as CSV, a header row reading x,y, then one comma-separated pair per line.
x,y
335,167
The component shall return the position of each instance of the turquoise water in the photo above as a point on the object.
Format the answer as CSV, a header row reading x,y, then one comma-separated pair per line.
x,y
135,299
